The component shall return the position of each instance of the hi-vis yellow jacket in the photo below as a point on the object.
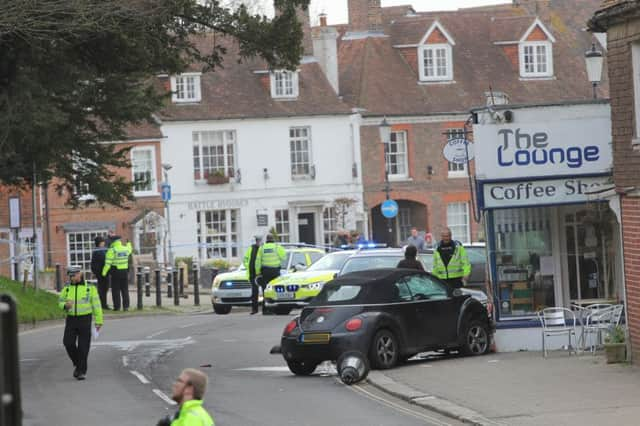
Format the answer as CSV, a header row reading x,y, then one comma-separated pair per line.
x,y
85,301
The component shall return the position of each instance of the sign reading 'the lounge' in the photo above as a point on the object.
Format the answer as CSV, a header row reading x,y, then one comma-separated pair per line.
x,y
544,149
542,192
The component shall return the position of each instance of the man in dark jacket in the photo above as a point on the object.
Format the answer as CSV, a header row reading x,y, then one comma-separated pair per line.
x,y
252,265
410,261
97,263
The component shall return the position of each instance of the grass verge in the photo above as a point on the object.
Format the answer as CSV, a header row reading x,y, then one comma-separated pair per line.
x,y
33,305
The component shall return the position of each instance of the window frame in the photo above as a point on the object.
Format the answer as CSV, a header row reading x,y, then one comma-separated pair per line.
x,y
86,264
154,176
229,245
449,62
467,225
548,57
280,223
635,69
329,225
199,174
309,151
197,89
405,156
273,77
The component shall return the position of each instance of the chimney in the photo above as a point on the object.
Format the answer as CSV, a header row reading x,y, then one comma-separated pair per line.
x,y
325,49
303,18
365,15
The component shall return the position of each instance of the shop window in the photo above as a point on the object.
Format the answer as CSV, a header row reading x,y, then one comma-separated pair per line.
x,y
143,170
396,155
329,225
217,233
458,221
300,149
214,154
282,225
80,245
524,262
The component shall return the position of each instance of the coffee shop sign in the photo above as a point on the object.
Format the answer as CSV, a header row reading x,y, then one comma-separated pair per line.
x,y
216,204
459,151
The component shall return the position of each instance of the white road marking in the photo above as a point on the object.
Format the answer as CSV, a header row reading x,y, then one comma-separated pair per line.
x,y
125,360
230,340
157,333
164,397
494,360
265,369
29,360
140,377
128,345
187,325
426,366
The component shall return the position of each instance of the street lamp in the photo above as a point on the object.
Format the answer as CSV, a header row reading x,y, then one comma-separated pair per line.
x,y
165,169
593,59
385,137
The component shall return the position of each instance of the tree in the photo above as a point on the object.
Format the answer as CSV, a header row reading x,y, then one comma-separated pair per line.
x,y
75,74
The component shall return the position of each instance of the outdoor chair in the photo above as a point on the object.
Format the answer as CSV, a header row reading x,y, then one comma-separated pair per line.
x,y
558,322
582,313
599,321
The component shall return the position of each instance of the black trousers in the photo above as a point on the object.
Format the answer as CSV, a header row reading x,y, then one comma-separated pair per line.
x,y
77,340
120,288
103,289
269,273
255,293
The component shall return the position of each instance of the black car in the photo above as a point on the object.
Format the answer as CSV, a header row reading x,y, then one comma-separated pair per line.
x,y
387,314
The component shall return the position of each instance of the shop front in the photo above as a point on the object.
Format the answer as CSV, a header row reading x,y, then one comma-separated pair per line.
x,y
552,229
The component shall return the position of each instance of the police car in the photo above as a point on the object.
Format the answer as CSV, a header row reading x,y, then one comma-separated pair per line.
x,y
234,289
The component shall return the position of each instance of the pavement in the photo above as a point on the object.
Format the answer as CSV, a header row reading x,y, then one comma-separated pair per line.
x,y
519,388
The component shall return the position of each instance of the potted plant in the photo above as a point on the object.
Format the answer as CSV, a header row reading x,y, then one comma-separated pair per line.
x,y
615,345
217,177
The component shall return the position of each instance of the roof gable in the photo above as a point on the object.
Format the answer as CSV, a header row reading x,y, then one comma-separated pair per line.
x,y
437,34
536,27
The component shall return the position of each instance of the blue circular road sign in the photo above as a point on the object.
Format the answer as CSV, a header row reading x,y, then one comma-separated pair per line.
x,y
389,209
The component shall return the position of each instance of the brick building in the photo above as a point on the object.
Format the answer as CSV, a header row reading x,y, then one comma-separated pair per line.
x,y
620,20
424,72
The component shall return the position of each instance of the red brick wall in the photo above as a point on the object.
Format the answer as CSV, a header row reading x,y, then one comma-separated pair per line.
x,y
511,51
631,238
436,37
537,35
364,15
410,55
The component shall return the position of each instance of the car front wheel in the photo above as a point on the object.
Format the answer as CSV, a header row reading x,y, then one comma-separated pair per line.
x,y
384,351
476,338
221,309
302,368
280,310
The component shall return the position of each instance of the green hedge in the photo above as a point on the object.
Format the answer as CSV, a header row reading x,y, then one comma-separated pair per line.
x,y
33,305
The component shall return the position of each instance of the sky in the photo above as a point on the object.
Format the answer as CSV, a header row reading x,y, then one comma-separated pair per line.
x,y
336,10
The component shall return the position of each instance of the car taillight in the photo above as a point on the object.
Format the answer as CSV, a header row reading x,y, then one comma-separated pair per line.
x,y
289,328
353,324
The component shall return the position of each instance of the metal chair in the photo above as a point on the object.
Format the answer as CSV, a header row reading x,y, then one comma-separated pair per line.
x,y
600,319
582,313
558,322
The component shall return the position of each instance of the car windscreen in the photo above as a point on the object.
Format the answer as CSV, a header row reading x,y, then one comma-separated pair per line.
x,y
329,262
363,263
285,262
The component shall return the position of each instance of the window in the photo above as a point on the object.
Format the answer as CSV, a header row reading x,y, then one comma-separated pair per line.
x,y
185,88
435,62
214,152
536,59
329,225
80,245
396,155
282,225
143,169
284,84
458,221
456,169
300,146
635,54
404,222
423,288
299,259
217,233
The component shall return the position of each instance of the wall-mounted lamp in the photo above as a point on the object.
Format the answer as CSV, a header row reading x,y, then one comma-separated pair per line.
x,y
238,176
430,170
312,171
265,173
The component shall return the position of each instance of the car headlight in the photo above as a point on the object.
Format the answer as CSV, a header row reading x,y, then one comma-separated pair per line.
x,y
216,282
316,286
269,287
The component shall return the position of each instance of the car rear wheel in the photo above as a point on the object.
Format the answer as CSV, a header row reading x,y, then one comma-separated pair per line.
x,y
384,351
302,368
476,338
282,310
221,309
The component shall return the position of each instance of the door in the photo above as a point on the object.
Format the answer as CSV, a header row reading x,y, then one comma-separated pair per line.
x,y
307,228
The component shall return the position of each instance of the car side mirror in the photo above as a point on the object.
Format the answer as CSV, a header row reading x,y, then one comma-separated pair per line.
x,y
457,292
299,267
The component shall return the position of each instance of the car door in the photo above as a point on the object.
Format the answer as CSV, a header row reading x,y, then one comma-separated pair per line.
x,y
435,310
404,311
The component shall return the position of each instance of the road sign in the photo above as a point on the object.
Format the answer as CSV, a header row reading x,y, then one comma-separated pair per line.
x,y
166,192
389,209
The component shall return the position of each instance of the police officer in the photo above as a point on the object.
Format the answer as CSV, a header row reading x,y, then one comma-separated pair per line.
x,y
117,263
97,263
450,261
188,393
81,302
271,256
252,264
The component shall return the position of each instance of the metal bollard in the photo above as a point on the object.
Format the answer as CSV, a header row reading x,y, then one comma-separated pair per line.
x,y
181,282
158,289
147,281
58,277
196,289
139,288
176,290
169,282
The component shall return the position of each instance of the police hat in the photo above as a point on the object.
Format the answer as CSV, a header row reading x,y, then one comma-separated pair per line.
x,y
73,269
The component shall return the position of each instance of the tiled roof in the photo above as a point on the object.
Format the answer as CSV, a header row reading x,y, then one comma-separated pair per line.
x,y
377,77
143,130
240,90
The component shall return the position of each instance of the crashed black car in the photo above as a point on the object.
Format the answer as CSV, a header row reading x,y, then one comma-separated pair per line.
x,y
388,315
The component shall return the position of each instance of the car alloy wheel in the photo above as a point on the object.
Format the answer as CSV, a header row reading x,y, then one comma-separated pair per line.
x,y
384,351
476,339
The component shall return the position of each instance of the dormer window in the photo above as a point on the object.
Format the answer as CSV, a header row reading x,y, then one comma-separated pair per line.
x,y
435,55
284,84
535,51
185,88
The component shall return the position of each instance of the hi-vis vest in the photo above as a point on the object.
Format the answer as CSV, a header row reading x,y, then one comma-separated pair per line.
x,y
85,301
193,414
117,256
458,267
271,255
